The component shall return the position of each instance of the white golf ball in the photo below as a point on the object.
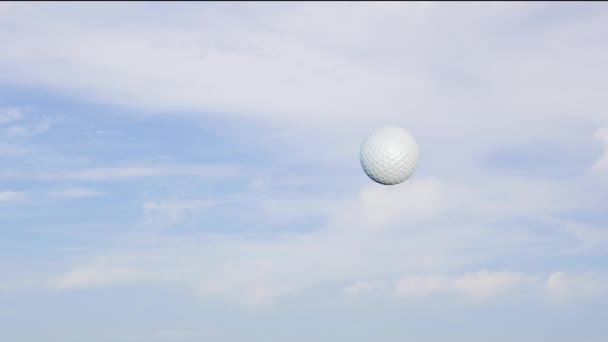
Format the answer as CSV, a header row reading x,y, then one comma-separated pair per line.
x,y
389,155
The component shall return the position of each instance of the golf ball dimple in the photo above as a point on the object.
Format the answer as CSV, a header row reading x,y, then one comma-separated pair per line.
x,y
389,155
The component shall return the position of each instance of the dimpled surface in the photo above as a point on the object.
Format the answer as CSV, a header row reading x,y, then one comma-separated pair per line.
x,y
389,155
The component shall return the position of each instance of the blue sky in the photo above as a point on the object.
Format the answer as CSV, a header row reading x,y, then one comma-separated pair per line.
x,y
190,172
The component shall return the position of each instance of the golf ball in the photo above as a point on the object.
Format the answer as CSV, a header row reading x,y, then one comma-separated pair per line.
x,y
389,155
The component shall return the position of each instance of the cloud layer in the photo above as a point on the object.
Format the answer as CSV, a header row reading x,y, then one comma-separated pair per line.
x,y
193,159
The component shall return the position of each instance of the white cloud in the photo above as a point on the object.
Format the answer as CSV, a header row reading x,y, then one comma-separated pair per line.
x,y
422,286
432,72
561,287
10,114
170,212
129,172
586,237
6,6
315,77
309,83
29,130
212,172
12,196
602,162
364,287
173,206
484,284
117,173
255,293
10,134
96,275
419,198
74,193
283,210
449,229
93,276
557,287
253,281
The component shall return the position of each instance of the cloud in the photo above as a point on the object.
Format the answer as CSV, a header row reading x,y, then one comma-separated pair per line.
x,y
418,199
431,229
587,237
94,276
10,114
486,284
29,130
602,162
364,287
15,129
422,286
129,172
74,193
256,293
170,212
561,287
12,196
319,88
557,287
177,205
6,6
343,76
255,278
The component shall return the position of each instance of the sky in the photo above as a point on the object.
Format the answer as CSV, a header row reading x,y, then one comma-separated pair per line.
x,y
190,172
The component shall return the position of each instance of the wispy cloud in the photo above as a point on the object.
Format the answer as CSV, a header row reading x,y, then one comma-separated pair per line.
x,y
129,172
12,196
300,89
172,206
10,114
561,287
286,58
93,276
74,193
16,127
476,285
602,162
170,212
365,287
29,129
586,237
423,198
556,287
446,232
